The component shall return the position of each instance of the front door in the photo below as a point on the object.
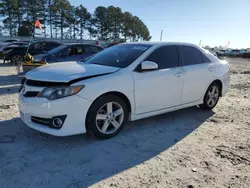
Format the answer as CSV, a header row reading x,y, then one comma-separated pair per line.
x,y
161,88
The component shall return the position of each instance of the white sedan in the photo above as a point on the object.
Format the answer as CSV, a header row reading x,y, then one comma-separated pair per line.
x,y
123,83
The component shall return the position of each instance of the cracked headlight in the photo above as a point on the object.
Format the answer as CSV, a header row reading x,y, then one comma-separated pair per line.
x,y
52,93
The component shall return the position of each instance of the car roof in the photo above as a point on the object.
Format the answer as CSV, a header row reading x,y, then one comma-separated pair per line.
x,y
18,42
47,41
163,43
79,44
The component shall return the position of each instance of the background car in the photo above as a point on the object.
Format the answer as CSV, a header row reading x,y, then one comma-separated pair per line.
x,y
8,46
17,53
63,53
11,40
234,53
221,53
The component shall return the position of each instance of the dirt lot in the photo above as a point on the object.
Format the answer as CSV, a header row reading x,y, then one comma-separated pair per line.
x,y
187,148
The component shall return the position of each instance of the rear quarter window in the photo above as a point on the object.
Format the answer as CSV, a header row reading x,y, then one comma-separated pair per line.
x,y
205,58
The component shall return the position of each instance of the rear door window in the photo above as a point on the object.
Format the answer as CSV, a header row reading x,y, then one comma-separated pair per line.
x,y
165,57
190,55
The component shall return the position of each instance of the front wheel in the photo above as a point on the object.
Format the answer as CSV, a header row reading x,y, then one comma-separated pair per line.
x,y
211,97
106,117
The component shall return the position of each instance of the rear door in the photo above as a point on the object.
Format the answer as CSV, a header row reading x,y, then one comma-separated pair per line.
x,y
198,73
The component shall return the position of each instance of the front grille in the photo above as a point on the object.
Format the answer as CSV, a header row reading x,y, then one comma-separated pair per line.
x,y
31,94
44,83
41,121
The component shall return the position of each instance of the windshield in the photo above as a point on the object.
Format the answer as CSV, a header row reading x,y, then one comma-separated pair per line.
x,y
118,56
57,49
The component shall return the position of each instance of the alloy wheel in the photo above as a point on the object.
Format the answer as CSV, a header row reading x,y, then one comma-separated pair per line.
x,y
212,96
109,117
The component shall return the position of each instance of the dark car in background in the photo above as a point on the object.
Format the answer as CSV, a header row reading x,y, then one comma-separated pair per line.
x,y
63,53
11,40
14,44
9,45
16,53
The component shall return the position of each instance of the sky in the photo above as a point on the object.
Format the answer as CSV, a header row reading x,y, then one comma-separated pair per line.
x,y
214,22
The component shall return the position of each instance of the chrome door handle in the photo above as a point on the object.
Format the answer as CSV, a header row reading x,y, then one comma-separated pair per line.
x,y
210,69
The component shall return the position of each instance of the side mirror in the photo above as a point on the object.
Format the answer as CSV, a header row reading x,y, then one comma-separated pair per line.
x,y
148,65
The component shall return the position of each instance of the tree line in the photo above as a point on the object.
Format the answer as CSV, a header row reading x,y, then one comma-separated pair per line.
x,y
62,20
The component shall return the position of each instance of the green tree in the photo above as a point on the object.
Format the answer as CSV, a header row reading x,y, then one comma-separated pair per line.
x,y
61,15
139,30
126,25
49,16
25,29
82,19
33,11
115,17
100,23
68,21
19,11
7,11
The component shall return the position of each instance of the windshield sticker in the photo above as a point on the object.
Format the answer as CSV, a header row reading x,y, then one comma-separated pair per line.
x,y
140,48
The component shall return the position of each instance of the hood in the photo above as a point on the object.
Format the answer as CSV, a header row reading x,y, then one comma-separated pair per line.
x,y
69,71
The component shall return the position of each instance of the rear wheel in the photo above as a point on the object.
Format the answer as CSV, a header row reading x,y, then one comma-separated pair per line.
x,y
16,59
211,97
106,117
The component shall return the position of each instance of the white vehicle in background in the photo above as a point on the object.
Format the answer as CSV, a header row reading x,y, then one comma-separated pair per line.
x,y
122,83
221,52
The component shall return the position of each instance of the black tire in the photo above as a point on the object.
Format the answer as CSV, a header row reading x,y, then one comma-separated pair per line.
x,y
91,119
206,104
14,58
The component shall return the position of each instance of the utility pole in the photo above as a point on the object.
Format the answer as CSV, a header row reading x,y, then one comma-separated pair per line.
x,y
161,35
200,43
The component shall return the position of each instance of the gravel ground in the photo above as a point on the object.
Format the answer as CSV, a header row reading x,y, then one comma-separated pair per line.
x,y
187,148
